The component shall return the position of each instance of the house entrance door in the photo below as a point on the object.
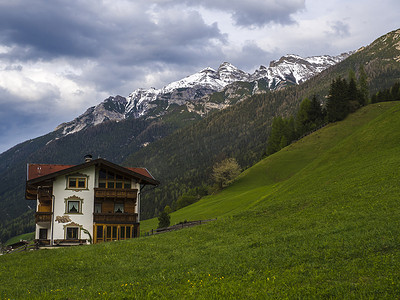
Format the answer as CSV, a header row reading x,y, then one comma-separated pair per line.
x,y
43,234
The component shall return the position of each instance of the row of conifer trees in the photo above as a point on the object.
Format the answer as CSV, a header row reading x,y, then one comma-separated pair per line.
x,y
345,96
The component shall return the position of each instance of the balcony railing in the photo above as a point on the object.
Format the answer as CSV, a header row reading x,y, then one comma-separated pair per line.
x,y
115,218
115,193
44,217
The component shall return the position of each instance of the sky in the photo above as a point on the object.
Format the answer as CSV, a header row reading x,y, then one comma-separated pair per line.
x,y
59,57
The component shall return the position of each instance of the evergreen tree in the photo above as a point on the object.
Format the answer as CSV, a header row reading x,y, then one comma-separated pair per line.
x,y
164,219
353,96
363,84
315,113
337,106
274,139
303,123
282,134
395,92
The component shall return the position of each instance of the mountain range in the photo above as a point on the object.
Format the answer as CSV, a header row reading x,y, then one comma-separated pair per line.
x,y
181,134
196,88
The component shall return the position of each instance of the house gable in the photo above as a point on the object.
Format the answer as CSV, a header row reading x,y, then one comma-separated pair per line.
x,y
42,173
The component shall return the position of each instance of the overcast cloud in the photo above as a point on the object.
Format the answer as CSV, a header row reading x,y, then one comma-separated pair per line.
x,y
57,58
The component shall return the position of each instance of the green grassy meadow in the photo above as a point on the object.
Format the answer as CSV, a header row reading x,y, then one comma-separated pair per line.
x,y
318,219
26,236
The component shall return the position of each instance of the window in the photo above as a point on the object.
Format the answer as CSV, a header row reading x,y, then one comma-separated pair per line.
x,y
104,232
77,182
73,205
118,207
111,233
72,233
97,208
111,180
99,232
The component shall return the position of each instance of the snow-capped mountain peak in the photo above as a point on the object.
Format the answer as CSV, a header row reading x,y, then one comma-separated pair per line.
x,y
295,69
206,77
289,69
228,73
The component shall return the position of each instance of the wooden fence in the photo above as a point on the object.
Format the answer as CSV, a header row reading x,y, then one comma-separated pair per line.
x,y
177,227
25,247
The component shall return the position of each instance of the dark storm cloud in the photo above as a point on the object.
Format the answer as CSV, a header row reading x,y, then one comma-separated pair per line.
x,y
21,121
48,29
121,40
177,38
250,13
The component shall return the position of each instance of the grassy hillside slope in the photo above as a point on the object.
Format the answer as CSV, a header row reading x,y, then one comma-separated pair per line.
x,y
260,180
318,219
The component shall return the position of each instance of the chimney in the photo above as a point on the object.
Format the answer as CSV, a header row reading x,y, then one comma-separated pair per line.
x,y
88,157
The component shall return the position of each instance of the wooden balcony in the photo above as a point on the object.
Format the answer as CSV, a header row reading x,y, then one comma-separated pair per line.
x,y
44,195
115,218
102,193
43,217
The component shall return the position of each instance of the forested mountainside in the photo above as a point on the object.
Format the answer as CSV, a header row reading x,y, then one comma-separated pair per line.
x,y
182,159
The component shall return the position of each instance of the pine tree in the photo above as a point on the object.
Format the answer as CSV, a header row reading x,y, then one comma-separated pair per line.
x,y
282,134
363,84
395,92
353,96
338,100
164,219
315,113
303,124
274,139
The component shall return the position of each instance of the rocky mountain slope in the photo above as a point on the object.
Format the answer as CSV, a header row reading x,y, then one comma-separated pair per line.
x,y
194,90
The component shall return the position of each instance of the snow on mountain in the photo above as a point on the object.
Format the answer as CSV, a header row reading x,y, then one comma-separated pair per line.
x,y
111,109
289,69
228,73
139,101
191,87
295,69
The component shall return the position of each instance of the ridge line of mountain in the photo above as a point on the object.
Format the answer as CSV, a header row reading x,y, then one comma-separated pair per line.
x,y
196,88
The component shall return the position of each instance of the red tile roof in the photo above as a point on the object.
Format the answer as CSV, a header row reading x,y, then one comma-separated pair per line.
x,y
142,171
38,170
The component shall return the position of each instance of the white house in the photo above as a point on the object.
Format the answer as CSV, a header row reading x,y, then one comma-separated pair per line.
x,y
95,201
